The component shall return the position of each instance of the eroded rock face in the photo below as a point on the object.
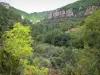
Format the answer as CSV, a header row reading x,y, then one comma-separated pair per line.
x,y
61,13
50,16
68,13
56,13
90,9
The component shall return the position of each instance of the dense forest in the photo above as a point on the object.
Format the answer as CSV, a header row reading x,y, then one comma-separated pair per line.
x,y
55,46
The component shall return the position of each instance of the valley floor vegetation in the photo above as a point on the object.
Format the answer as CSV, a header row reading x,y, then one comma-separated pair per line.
x,y
51,47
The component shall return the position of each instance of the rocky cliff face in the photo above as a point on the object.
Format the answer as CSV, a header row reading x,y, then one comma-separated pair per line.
x,y
68,13
91,9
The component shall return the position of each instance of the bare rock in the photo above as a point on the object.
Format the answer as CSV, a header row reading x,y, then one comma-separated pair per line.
x,y
69,13
90,9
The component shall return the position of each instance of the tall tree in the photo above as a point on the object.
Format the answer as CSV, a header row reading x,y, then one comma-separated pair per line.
x,y
16,50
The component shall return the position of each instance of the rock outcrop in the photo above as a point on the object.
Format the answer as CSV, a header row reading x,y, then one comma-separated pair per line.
x,y
91,9
68,13
61,13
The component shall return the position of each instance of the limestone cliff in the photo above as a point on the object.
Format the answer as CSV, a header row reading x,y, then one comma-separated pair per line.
x,y
91,9
68,13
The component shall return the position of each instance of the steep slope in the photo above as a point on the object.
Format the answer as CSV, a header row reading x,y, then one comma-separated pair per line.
x,y
81,3
7,19
77,9
33,17
69,16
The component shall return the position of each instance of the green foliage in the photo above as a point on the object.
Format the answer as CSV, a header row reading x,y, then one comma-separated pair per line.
x,y
16,50
87,59
55,37
75,35
80,3
55,57
69,24
69,46
50,35
34,17
91,35
92,30
61,40
32,70
53,31
76,40
7,19
18,41
68,69
9,64
79,7
86,62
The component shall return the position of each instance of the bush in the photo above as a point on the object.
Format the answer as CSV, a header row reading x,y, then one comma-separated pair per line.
x,y
92,30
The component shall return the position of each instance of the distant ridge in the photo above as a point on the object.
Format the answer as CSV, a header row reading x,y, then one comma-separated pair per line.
x,y
77,9
33,17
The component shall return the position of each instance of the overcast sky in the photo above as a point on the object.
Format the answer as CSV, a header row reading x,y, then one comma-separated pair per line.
x,y
38,5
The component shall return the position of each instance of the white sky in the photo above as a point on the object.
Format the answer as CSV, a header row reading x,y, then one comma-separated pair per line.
x,y
31,6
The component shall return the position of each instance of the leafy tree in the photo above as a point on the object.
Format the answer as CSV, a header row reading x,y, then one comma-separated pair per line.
x,y
86,63
77,40
61,40
88,59
53,57
7,19
16,51
50,35
92,30
18,41
9,65
92,35
32,70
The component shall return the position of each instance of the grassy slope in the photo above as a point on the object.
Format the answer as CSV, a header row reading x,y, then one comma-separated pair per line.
x,y
34,17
